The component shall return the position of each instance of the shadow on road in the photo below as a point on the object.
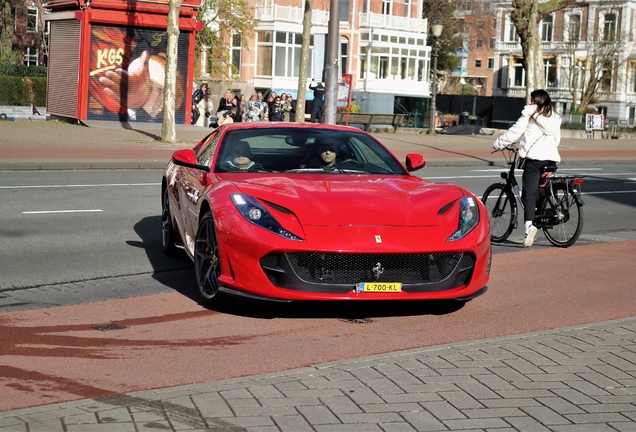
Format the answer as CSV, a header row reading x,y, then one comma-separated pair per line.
x,y
175,272
356,312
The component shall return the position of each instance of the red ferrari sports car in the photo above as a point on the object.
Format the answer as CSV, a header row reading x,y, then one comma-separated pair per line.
x,y
286,211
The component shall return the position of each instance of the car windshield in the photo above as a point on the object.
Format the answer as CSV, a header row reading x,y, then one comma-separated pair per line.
x,y
300,150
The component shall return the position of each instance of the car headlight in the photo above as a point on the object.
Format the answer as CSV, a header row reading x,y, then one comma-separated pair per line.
x,y
257,214
468,217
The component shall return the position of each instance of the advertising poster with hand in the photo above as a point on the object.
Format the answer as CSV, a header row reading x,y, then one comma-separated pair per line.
x,y
127,73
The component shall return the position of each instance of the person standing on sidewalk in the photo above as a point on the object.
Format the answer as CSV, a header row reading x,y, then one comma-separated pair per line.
x,y
316,107
540,131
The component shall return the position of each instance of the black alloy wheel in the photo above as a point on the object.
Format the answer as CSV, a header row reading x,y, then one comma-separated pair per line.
x,y
206,261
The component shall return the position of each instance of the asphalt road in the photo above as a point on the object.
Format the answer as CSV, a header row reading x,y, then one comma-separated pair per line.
x,y
74,226
149,331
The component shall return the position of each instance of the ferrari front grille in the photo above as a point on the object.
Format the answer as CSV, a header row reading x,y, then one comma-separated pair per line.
x,y
305,270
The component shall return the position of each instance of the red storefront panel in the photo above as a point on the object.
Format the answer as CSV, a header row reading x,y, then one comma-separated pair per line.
x,y
127,72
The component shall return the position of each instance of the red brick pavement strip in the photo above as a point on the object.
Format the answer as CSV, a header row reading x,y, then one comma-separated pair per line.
x,y
54,145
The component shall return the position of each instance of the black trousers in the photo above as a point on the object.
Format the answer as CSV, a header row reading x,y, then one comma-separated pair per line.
x,y
316,111
530,186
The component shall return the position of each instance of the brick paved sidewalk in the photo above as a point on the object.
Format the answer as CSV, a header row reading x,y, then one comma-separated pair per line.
x,y
571,379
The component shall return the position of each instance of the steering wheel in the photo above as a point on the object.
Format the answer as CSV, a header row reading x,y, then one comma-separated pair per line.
x,y
352,161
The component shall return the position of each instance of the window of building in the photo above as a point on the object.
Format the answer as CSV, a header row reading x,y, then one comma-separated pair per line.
x,y
480,23
265,45
344,10
278,53
235,55
511,31
491,63
31,56
394,61
609,26
491,43
344,50
546,29
573,30
479,43
518,78
32,19
387,7
606,77
407,8
477,63
550,72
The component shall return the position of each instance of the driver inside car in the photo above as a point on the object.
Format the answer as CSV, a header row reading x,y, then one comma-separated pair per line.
x,y
240,158
326,158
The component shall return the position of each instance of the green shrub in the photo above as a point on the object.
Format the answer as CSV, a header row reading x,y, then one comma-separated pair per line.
x,y
18,91
39,91
22,70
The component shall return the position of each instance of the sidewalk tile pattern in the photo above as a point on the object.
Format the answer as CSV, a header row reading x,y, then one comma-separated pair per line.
x,y
580,378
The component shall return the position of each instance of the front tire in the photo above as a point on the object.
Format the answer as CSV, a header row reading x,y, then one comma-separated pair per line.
x,y
206,261
502,211
568,218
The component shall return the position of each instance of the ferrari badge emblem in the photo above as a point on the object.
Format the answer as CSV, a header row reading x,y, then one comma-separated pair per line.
x,y
378,239
377,271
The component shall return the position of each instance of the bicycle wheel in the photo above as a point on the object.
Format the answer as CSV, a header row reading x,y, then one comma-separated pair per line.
x,y
566,218
502,211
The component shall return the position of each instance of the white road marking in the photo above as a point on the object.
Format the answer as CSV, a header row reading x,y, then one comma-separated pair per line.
x,y
79,185
61,211
519,172
560,169
608,192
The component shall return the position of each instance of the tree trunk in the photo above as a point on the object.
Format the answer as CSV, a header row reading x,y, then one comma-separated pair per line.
x,y
304,63
168,128
525,17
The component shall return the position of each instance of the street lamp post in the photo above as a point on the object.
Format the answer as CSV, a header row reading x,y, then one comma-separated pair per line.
x,y
436,29
462,81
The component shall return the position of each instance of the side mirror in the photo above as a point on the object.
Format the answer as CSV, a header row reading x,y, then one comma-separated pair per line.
x,y
414,162
187,158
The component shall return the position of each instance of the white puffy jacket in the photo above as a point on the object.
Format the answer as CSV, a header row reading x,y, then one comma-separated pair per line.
x,y
539,137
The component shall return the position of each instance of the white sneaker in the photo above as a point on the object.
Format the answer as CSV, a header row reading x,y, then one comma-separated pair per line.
x,y
527,242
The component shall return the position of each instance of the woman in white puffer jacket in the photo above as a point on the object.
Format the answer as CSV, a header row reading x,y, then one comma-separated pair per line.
x,y
540,131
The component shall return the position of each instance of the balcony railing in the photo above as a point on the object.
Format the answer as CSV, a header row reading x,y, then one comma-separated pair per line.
x,y
319,17
289,14
393,22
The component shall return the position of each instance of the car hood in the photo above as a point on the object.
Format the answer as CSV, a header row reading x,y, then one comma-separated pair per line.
x,y
354,200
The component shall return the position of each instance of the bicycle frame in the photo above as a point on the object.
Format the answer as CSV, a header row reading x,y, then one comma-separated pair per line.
x,y
547,199
510,181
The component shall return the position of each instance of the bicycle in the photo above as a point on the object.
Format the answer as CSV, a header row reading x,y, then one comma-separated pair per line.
x,y
559,204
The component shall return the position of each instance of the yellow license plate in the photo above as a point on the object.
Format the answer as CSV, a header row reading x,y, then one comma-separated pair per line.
x,y
379,287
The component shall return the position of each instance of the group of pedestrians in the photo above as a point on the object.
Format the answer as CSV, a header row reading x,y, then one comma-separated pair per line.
x,y
276,108
234,108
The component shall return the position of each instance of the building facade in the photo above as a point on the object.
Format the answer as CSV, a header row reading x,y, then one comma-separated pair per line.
x,y
477,26
383,47
29,31
591,41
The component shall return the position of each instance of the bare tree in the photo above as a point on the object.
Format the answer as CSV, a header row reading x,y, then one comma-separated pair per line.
x,y
223,20
304,62
168,127
591,72
526,16
7,55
